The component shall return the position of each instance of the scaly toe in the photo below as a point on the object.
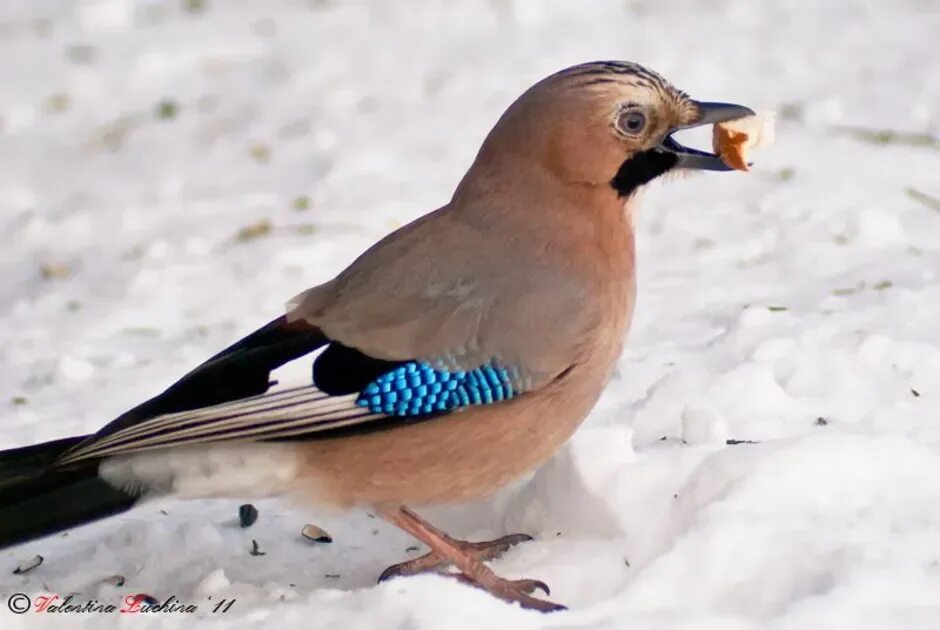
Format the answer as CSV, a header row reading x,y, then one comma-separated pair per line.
x,y
433,563
492,549
539,604
514,591
504,543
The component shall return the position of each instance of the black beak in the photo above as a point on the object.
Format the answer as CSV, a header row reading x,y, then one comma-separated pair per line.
x,y
708,114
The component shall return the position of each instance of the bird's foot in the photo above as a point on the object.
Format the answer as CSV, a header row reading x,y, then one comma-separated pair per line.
x,y
468,558
435,562
513,591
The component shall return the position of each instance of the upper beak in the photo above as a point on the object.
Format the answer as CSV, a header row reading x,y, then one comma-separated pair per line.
x,y
707,114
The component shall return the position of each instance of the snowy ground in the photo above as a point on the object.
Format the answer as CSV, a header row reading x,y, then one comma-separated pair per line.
x,y
169,177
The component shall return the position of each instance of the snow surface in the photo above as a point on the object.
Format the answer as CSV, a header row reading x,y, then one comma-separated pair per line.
x,y
795,306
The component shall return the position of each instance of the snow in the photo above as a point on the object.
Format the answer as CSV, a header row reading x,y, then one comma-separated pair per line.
x,y
170,177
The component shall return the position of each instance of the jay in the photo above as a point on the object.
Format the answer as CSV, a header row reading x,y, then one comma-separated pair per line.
x,y
451,358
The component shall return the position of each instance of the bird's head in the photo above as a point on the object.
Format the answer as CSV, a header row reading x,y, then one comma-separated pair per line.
x,y
607,123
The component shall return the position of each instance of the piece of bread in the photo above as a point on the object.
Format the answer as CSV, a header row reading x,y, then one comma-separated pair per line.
x,y
733,140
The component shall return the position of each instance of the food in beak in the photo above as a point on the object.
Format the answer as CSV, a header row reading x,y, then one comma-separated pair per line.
x,y
733,140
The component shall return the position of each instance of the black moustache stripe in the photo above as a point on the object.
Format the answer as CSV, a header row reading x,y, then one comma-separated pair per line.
x,y
641,169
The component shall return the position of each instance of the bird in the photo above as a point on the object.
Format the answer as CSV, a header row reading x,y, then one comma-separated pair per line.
x,y
452,358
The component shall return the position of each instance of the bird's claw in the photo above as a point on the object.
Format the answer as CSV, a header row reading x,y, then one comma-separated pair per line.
x,y
530,586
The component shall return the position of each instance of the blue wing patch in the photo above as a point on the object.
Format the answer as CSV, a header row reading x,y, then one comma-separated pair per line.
x,y
416,389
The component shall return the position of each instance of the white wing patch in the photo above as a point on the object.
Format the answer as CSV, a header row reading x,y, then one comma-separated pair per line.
x,y
217,470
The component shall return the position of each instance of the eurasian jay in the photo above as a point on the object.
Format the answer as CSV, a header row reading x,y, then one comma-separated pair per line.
x,y
455,355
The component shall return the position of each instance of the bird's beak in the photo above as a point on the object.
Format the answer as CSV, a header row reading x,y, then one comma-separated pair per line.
x,y
706,114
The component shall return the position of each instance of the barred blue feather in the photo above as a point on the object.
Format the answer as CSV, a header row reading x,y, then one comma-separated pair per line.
x,y
416,389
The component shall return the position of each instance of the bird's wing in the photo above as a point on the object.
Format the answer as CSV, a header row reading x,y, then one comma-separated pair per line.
x,y
279,415
226,386
240,371
412,332
457,296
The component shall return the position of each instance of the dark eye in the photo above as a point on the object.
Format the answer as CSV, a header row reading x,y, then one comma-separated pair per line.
x,y
631,121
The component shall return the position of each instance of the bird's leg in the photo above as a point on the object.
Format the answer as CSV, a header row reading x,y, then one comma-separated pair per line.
x,y
469,564
433,561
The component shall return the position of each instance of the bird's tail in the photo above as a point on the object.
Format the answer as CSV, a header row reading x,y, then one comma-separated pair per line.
x,y
37,498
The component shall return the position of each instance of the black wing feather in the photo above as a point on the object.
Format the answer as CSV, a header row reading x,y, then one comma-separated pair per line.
x,y
225,398
240,371
341,370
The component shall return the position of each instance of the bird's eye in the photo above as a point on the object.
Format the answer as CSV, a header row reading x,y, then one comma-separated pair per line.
x,y
631,121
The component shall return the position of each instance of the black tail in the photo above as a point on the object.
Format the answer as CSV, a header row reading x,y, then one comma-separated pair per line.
x,y
37,500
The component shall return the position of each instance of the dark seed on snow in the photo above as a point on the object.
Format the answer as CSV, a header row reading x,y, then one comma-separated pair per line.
x,y
247,515
114,580
255,549
27,566
316,534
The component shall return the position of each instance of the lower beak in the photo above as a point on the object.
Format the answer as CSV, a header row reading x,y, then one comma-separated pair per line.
x,y
707,114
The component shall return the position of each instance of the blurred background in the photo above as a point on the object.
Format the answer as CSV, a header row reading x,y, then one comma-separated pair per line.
x,y
173,171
